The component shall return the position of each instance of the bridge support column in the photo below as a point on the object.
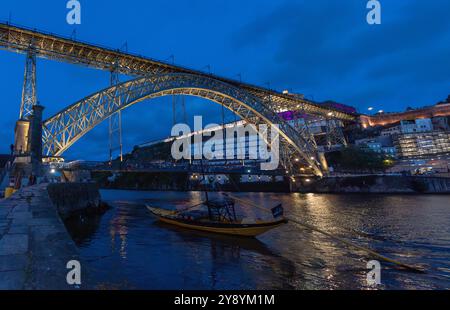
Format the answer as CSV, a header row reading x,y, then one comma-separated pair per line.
x,y
35,140
115,123
334,134
21,133
29,86
28,145
323,162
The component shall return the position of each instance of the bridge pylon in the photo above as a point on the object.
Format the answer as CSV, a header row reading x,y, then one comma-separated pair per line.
x,y
28,145
334,134
115,122
29,98
35,139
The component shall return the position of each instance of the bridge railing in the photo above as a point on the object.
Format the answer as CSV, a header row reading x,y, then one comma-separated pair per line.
x,y
248,167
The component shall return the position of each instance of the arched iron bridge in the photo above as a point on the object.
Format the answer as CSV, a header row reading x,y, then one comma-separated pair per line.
x,y
252,103
66,127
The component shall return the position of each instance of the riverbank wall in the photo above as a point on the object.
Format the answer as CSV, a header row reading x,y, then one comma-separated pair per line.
x,y
377,184
163,181
35,246
73,198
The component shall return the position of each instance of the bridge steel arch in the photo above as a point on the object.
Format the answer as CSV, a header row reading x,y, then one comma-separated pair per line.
x,y
66,127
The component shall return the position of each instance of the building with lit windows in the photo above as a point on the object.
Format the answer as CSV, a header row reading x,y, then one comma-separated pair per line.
x,y
422,144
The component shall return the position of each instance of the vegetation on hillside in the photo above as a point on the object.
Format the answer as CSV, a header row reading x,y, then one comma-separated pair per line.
x,y
354,159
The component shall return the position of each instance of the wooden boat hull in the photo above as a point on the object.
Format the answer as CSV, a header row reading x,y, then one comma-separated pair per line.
x,y
245,230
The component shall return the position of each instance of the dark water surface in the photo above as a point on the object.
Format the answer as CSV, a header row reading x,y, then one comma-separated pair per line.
x,y
127,248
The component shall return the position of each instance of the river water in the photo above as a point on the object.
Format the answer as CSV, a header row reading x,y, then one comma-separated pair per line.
x,y
126,248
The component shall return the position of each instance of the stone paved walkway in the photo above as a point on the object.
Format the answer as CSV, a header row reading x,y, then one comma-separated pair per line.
x,y
34,244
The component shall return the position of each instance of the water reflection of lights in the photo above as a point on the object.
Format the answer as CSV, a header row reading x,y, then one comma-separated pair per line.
x,y
118,227
287,258
319,208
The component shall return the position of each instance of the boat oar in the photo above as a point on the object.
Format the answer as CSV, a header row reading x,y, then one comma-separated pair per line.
x,y
348,243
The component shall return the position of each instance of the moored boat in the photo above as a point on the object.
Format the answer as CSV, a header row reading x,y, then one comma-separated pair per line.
x,y
221,218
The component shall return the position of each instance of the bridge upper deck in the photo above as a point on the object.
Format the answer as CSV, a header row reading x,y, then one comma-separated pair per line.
x,y
47,45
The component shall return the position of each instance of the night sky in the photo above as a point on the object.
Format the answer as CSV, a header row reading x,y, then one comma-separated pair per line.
x,y
322,48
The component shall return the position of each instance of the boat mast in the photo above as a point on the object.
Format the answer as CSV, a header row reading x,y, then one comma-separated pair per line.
x,y
204,180
205,190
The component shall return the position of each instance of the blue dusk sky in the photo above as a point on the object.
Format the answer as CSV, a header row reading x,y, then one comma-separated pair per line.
x,y
321,48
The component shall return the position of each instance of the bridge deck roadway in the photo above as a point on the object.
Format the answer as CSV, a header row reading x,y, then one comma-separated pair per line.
x,y
50,46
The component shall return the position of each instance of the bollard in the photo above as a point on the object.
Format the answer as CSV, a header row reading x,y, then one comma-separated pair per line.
x,y
9,191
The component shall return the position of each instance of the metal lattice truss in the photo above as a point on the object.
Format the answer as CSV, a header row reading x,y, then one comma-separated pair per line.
x,y
65,128
333,136
50,46
29,86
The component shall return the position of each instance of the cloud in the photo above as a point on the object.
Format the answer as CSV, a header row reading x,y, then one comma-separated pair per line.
x,y
326,48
